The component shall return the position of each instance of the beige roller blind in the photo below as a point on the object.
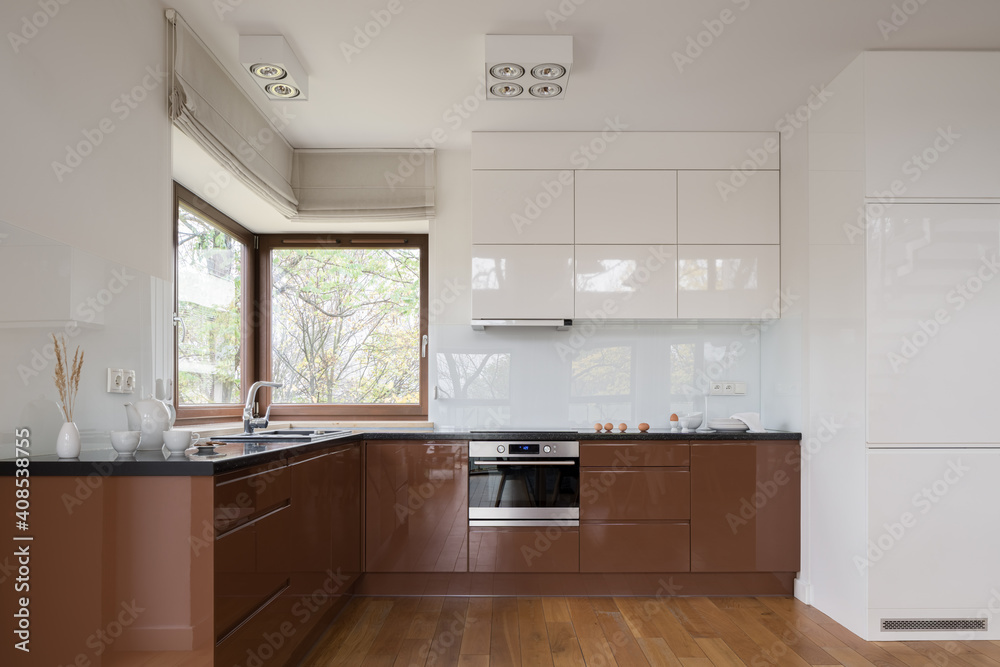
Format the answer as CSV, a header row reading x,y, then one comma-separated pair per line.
x,y
210,107
366,184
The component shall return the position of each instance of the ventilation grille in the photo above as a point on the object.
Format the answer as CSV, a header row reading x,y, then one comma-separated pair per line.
x,y
910,624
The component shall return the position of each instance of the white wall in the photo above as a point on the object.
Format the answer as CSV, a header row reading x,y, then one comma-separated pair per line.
x,y
114,203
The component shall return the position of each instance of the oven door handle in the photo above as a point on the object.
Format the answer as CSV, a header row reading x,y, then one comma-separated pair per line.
x,y
527,462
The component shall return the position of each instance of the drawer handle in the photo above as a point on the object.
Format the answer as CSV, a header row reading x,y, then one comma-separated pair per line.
x,y
239,526
524,463
256,610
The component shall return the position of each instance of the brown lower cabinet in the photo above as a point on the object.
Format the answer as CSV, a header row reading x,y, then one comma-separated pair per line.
x,y
416,506
745,506
537,549
635,547
287,551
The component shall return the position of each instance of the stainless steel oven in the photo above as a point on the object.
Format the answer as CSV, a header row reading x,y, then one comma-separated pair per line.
x,y
524,483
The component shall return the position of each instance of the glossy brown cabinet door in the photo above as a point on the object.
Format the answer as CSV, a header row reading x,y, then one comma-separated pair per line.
x,y
323,531
625,454
541,549
745,500
635,547
634,494
416,506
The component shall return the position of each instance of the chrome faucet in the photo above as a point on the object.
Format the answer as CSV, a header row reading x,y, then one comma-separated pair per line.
x,y
249,421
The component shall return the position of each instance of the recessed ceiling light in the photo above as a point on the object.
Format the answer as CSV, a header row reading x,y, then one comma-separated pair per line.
x,y
548,71
545,89
282,90
507,71
268,71
506,89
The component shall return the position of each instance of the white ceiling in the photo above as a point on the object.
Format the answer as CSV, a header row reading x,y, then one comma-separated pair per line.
x,y
429,57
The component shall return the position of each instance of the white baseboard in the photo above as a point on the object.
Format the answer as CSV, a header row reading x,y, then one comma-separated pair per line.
x,y
803,591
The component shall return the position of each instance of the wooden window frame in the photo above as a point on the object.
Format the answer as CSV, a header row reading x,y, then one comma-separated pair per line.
x,y
200,414
327,411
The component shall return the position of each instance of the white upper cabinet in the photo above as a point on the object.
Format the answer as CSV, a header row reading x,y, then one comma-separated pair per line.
x,y
931,124
711,209
626,207
522,282
522,207
734,282
933,302
632,282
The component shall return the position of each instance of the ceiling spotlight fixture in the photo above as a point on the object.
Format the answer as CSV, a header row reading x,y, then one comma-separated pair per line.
x,y
507,71
548,71
266,71
506,89
534,60
270,60
284,91
545,89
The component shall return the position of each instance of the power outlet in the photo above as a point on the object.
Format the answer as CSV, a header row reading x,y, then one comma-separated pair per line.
x,y
116,380
728,388
717,389
129,382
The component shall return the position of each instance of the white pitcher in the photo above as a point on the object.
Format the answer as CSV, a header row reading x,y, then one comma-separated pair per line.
x,y
152,418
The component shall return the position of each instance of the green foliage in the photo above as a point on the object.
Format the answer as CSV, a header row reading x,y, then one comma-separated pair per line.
x,y
345,325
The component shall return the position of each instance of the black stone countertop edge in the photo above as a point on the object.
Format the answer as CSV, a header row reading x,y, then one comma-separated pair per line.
x,y
106,462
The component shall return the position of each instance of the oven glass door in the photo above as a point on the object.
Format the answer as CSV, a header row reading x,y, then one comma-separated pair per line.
x,y
511,488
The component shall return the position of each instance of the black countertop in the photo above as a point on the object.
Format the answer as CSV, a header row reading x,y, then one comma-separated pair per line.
x,y
235,456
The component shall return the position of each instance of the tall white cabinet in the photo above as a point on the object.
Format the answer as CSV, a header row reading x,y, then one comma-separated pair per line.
x,y
655,226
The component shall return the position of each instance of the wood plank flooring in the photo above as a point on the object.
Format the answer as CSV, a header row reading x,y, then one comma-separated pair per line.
x,y
622,632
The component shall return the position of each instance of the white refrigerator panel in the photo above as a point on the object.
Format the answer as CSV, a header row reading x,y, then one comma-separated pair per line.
x,y
933,543
933,302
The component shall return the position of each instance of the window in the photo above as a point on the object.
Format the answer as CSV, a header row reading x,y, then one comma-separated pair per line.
x,y
212,269
347,325
340,321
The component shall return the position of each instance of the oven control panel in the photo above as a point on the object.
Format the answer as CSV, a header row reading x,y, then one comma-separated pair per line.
x,y
524,449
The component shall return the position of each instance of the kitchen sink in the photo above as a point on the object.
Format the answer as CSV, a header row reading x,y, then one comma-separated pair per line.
x,y
286,435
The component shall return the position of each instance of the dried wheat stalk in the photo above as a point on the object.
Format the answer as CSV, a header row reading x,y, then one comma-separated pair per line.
x,y
68,386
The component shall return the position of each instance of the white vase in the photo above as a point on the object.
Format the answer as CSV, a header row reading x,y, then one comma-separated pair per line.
x,y
68,441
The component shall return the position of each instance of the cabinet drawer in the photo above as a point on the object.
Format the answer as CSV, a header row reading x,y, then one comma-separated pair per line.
x,y
250,568
527,549
271,634
623,453
635,494
635,547
240,496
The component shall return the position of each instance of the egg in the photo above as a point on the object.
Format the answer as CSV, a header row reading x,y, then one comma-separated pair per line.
x,y
643,427
674,417
608,426
622,427
598,427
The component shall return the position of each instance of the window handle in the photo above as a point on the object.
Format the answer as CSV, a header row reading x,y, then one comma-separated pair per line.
x,y
423,345
179,322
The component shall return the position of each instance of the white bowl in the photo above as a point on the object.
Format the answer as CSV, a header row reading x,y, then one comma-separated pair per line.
x,y
691,421
125,442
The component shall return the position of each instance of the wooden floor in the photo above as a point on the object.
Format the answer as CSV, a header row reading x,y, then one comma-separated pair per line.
x,y
598,632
